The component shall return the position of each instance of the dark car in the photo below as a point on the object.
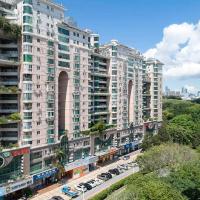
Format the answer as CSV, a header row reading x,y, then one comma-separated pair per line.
x,y
103,177
114,171
107,174
88,186
56,198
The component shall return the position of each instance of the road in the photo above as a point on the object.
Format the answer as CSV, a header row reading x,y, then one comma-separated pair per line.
x,y
107,184
57,191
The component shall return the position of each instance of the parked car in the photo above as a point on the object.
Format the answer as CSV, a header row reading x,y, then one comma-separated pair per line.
x,y
56,198
80,187
103,177
98,181
69,192
126,157
109,175
124,166
92,183
114,171
88,186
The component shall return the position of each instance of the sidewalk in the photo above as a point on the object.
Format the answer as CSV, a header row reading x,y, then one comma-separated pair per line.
x,y
50,192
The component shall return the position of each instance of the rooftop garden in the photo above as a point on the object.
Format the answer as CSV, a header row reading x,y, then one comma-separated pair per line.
x,y
9,90
12,29
98,128
14,117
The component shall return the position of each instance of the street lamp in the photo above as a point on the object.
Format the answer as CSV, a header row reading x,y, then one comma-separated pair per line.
x,y
83,197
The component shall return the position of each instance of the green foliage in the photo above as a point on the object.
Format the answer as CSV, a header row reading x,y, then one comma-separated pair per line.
x,y
10,118
186,180
164,156
12,29
9,90
181,125
152,188
97,129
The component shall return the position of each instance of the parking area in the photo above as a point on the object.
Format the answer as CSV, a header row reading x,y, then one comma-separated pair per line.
x,y
100,179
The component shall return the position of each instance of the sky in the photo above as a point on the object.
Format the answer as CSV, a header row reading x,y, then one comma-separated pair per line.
x,y
168,30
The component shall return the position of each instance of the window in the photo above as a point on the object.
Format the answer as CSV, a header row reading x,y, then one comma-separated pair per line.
x,y
50,43
27,96
27,87
50,52
27,28
38,49
38,132
38,40
27,10
27,38
63,56
63,64
28,2
28,58
28,67
27,48
63,31
63,39
38,141
63,47
27,115
50,61
27,19
38,104
38,67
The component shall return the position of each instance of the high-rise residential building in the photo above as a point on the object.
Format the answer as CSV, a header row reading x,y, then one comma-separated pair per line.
x,y
64,97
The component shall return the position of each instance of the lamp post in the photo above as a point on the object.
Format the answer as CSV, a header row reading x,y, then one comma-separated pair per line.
x,y
83,196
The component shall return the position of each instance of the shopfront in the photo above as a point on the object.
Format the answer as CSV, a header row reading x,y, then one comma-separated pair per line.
x,y
110,155
44,178
14,188
80,167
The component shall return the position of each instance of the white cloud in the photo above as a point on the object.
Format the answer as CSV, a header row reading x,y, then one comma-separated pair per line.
x,y
179,50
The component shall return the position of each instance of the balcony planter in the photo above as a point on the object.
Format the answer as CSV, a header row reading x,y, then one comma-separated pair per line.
x,y
13,30
9,90
15,117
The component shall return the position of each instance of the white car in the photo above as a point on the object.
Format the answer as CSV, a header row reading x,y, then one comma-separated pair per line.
x,y
98,181
80,188
92,183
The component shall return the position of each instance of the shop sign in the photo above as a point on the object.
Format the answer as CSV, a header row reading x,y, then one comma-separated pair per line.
x,y
15,186
20,152
45,174
81,162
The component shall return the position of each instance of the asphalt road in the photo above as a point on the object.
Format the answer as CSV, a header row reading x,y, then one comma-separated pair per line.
x,y
107,184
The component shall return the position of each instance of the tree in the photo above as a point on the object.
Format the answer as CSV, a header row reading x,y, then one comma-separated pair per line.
x,y
186,180
169,156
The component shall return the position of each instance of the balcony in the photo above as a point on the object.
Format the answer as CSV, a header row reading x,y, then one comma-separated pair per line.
x,y
9,90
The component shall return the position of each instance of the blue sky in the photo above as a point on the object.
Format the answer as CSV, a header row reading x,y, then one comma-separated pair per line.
x,y
136,23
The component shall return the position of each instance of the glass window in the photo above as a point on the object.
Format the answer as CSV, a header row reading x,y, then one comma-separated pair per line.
x,y
28,2
63,39
27,28
63,31
63,56
63,64
63,47
28,58
27,38
27,96
27,19
27,10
